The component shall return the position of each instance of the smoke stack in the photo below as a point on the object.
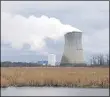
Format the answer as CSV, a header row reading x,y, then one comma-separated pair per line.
x,y
73,51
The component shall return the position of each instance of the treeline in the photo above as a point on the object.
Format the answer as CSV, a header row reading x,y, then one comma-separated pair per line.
x,y
19,64
99,60
95,61
24,64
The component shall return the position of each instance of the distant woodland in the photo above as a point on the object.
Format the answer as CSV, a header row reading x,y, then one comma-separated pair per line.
x,y
95,60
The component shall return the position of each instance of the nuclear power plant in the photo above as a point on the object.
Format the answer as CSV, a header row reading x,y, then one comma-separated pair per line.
x,y
73,51
51,59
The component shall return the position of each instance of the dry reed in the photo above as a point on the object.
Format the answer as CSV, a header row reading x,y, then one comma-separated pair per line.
x,y
55,76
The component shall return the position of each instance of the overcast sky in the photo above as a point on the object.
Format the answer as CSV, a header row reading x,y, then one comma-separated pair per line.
x,y
32,29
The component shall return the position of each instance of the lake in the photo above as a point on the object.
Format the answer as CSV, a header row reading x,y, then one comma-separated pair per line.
x,y
51,91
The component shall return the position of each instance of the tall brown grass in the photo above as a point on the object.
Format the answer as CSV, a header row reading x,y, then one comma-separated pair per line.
x,y
55,76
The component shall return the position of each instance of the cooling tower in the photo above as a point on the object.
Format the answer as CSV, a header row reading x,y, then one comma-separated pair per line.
x,y
73,52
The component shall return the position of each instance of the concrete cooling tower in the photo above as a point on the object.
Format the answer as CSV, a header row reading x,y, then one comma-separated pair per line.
x,y
73,52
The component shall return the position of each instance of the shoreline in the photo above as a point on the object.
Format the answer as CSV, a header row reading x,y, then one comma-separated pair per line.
x,y
58,86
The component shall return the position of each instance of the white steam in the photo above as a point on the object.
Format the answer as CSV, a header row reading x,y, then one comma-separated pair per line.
x,y
19,30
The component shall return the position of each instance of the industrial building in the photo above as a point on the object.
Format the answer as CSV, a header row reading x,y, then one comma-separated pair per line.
x,y
73,51
43,62
51,59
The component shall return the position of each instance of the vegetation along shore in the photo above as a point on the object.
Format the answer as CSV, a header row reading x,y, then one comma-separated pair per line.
x,y
87,77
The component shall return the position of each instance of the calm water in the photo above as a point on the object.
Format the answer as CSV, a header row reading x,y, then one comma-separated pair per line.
x,y
50,91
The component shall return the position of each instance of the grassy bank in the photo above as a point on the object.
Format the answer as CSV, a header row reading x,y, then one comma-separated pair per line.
x,y
55,76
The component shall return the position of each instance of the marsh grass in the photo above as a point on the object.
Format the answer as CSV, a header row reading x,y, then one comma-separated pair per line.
x,y
55,77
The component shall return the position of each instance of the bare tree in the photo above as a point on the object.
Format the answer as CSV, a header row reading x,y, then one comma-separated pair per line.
x,y
98,60
93,60
107,59
101,57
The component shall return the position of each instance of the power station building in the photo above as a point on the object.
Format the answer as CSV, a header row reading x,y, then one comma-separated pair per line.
x,y
73,51
51,59
43,62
